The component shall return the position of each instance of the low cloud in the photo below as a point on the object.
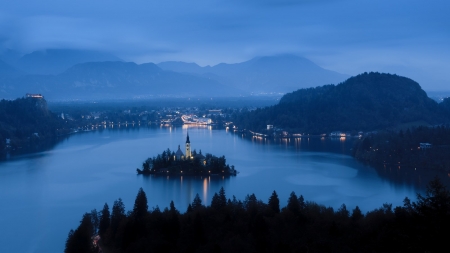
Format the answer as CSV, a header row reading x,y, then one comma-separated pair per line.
x,y
346,36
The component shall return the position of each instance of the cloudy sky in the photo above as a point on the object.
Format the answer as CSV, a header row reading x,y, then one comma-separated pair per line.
x,y
405,37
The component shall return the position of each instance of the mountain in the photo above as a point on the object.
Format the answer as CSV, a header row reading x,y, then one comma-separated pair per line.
x,y
8,71
10,56
269,74
112,80
183,67
369,101
56,61
78,74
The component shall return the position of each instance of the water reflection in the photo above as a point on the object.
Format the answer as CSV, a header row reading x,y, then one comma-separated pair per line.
x,y
340,145
182,189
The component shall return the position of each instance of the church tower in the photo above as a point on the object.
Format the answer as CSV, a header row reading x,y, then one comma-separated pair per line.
x,y
188,147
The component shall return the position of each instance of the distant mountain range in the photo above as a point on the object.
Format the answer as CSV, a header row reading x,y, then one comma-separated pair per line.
x,y
82,74
110,80
269,74
53,61
369,101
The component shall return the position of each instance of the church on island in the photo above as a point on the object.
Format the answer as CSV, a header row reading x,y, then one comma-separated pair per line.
x,y
189,163
189,155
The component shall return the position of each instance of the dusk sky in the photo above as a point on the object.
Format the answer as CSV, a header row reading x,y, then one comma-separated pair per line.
x,y
405,37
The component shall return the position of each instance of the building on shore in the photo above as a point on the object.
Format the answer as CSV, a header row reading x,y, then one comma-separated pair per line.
x,y
30,95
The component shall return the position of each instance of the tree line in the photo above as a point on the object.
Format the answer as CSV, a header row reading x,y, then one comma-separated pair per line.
x,y
397,154
252,225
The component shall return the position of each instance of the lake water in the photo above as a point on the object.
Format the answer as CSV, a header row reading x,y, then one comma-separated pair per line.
x,y
44,195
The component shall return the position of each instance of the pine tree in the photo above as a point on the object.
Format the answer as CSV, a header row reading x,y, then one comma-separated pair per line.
x,y
80,239
117,215
293,204
356,214
274,202
222,198
140,208
197,203
104,220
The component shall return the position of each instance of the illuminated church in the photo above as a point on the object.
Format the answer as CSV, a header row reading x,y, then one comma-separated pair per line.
x,y
179,154
189,155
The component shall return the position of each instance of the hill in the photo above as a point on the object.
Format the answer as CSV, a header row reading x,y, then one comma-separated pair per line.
x,y
369,101
27,121
268,74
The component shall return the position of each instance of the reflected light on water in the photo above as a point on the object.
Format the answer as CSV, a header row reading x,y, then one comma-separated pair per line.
x,y
205,189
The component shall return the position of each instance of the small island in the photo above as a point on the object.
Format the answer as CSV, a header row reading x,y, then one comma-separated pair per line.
x,y
190,163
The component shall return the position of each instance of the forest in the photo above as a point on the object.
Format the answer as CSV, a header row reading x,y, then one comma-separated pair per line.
x,y
252,225
366,102
397,155
28,122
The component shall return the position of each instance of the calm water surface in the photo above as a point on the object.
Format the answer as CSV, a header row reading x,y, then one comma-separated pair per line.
x,y
44,195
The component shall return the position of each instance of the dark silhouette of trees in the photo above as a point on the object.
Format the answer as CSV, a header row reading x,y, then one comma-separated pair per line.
x,y
80,239
399,156
248,226
104,220
356,214
28,124
197,202
140,208
117,216
219,201
274,203
293,204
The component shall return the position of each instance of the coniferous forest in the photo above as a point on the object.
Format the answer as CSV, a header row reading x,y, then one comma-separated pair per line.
x,y
253,225
27,122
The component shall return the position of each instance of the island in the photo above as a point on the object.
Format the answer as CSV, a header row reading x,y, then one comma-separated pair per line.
x,y
189,163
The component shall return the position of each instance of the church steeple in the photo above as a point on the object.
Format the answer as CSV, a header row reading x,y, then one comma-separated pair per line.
x,y
188,147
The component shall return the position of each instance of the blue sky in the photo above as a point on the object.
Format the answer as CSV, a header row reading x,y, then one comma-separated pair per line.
x,y
406,37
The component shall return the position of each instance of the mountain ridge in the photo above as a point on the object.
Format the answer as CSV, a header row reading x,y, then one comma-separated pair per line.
x,y
109,80
274,74
56,61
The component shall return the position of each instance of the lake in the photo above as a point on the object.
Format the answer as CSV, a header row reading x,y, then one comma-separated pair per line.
x,y
45,194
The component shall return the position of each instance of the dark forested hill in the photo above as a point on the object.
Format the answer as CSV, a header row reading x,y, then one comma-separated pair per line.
x,y
27,121
369,101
